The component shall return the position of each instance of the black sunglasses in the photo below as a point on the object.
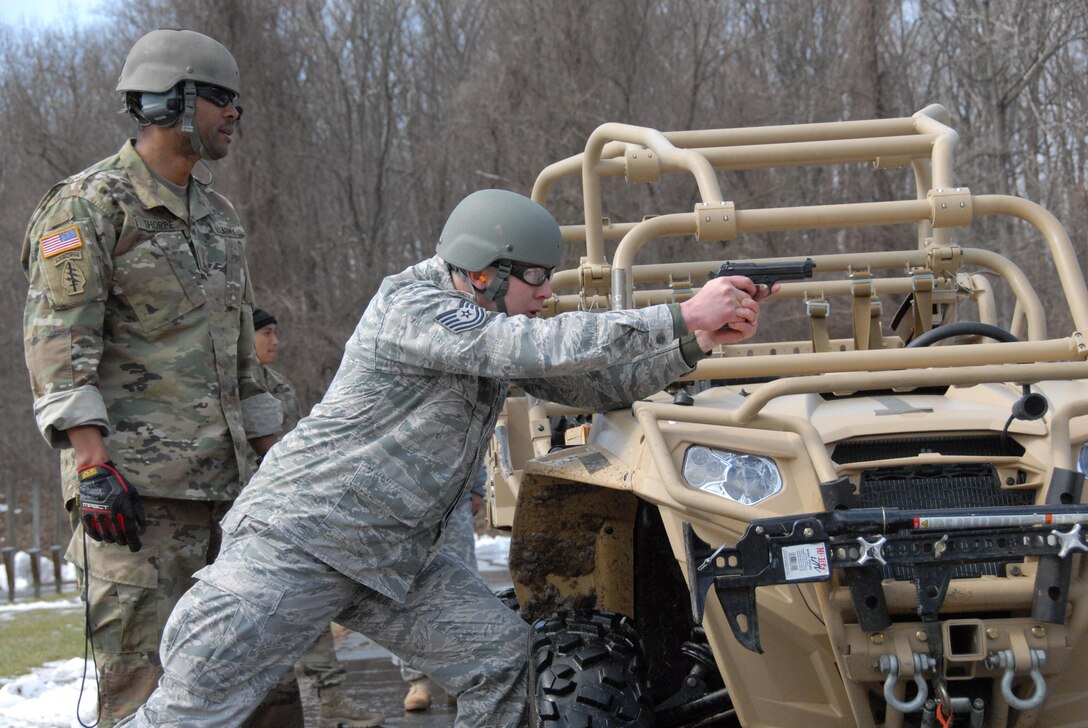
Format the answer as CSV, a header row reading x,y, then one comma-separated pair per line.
x,y
533,275
218,96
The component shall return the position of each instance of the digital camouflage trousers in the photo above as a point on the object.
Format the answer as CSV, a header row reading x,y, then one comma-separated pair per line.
x,y
264,601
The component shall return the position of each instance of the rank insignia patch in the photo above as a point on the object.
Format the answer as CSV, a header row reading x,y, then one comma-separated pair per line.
x,y
465,317
60,241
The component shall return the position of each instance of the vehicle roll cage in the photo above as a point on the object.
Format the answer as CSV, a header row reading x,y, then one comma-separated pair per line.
x,y
931,273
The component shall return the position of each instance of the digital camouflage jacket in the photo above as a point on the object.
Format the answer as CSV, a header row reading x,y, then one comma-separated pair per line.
x,y
139,320
368,479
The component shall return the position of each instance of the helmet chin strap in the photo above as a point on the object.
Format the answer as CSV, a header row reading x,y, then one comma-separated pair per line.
x,y
496,289
188,122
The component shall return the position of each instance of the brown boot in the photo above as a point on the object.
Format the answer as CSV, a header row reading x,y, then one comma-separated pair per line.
x,y
419,695
339,710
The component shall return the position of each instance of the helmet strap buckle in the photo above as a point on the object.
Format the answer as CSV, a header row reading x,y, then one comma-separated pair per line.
x,y
496,290
188,121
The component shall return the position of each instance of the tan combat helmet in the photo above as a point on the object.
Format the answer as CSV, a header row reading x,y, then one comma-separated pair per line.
x,y
161,72
502,229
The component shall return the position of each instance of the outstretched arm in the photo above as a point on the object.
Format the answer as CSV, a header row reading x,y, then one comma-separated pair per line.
x,y
425,327
722,312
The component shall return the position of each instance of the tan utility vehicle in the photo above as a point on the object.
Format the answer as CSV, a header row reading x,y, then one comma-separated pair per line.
x,y
878,525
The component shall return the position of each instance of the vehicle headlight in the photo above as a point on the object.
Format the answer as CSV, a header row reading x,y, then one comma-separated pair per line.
x,y
740,477
1082,460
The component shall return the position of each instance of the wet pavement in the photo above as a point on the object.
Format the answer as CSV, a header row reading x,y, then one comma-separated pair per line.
x,y
374,681
376,684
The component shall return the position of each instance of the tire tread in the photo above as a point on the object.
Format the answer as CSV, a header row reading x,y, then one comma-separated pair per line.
x,y
588,670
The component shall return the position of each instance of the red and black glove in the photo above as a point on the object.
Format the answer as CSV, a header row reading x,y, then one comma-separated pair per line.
x,y
109,507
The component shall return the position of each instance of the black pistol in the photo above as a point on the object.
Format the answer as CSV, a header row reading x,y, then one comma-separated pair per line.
x,y
767,273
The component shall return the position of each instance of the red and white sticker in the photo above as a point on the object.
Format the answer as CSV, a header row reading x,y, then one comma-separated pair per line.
x,y
805,561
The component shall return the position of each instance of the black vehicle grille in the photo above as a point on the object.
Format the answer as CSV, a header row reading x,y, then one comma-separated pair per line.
x,y
964,485
908,447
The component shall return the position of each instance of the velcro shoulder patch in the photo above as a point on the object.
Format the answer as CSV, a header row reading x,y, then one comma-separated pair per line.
x,y
68,266
465,317
60,241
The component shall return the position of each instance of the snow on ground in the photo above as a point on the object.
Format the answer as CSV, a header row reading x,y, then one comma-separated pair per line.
x,y
9,612
492,553
47,697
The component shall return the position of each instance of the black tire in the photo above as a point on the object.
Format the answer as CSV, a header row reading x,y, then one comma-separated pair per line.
x,y
509,597
587,669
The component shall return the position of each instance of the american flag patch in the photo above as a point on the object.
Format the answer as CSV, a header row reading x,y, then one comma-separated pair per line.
x,y
61,241
466,316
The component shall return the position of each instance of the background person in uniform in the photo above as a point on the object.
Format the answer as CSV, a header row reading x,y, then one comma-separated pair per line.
x,y
344,520
266,337
139,344
320,663
461,542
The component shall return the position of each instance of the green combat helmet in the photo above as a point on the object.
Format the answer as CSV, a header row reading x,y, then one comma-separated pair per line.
x,y
160,75
499,228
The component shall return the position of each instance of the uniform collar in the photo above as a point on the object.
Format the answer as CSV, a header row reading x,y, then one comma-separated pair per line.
x,y
437,270
153,193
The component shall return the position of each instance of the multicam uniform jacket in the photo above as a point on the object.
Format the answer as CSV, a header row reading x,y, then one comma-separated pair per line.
x,y
367,481
281,388
139,321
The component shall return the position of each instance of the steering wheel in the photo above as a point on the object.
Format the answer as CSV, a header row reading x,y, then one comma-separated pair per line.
x,y
1029,406
962,328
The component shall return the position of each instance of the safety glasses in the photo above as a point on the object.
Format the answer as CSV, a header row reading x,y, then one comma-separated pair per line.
x,y
533,275
218,96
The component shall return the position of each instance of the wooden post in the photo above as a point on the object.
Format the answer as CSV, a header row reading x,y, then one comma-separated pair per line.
x,y
35,570
9,567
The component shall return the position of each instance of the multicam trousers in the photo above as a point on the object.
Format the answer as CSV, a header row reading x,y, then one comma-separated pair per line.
x,y
132,594
264,601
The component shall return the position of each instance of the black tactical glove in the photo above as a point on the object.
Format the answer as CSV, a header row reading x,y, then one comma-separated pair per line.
x,y
109,507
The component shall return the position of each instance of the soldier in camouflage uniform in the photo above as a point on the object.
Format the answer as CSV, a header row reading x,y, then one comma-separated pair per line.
x,y
319,663
267,342
140,349
344,520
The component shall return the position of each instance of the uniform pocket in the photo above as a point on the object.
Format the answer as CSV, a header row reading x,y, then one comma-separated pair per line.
x,y
111,562
411,468
159,280
124,609
217,628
